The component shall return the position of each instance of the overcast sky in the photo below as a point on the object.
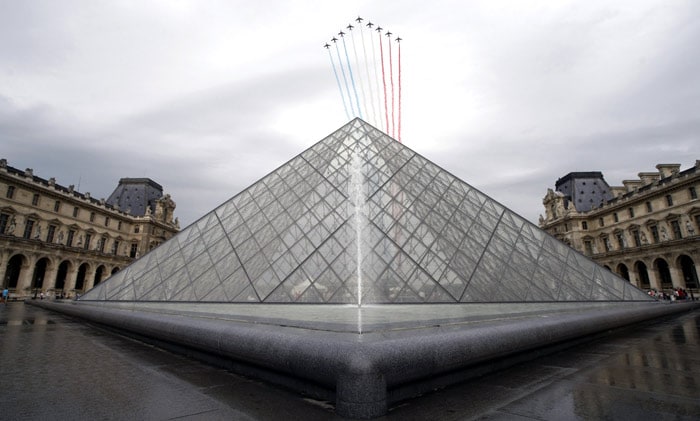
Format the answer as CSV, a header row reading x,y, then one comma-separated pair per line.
x,y
206,97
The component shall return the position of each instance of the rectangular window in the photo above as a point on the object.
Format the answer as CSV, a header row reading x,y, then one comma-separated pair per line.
x,y
654,233
76,211
669,200
106,221
92,216
631,212
615,217
51,234
693,193
115,247
119,225
137,229
35,199
134,249
28,229
88,238
601,222
606,243
101,245
10,192
649,208
584,225
71,237
589,247
676,227
4,218
637,238
56,206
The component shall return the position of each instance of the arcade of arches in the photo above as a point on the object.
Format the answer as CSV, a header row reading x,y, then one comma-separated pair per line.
x,y
25,273
666,272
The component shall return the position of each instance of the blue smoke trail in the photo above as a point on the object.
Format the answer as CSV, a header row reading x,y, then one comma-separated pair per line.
x,y
335,72
352,79
345,79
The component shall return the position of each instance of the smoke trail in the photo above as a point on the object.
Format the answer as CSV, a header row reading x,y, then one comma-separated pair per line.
x,y
376,78
359,72
391,77
369,78
335,72
399,47
386,111
345,79
352,79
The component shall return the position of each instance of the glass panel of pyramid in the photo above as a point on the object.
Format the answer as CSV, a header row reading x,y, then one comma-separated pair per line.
x,y
361,218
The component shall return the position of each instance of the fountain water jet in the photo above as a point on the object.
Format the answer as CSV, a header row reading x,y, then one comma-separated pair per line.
x,y
357,191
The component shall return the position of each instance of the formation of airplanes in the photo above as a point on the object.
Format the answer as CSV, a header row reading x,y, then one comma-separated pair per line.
x,y
369,24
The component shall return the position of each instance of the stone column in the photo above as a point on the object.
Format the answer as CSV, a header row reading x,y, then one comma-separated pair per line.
x,y
4,260
71,277
25,277
50,276
634,277
653,278
89,277
676,277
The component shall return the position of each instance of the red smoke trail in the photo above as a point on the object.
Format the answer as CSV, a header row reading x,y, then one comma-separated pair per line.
x,y
391,76
386,111
399,92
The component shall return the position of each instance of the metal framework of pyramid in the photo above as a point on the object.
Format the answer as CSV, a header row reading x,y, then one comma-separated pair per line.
x,y
361,218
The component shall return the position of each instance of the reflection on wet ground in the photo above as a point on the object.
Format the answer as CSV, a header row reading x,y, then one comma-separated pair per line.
x,y
53,367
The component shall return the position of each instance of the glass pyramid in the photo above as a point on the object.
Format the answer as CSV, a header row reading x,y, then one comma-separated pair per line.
x,y
359,218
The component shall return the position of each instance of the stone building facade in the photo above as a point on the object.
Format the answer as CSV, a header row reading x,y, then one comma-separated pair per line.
x,y
56,240
647,231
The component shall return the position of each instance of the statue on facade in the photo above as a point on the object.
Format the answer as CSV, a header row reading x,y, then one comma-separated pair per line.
x,y
80,240
37,235
12,226
644,238
60,237
664,234
689,228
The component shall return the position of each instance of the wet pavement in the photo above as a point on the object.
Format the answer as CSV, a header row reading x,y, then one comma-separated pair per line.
x,y
54,367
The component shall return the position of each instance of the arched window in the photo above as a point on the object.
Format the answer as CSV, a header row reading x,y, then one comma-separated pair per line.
x,y
80,280
14,268
623,271
98,275
690,275
662,269
39,273
641,269
61,275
